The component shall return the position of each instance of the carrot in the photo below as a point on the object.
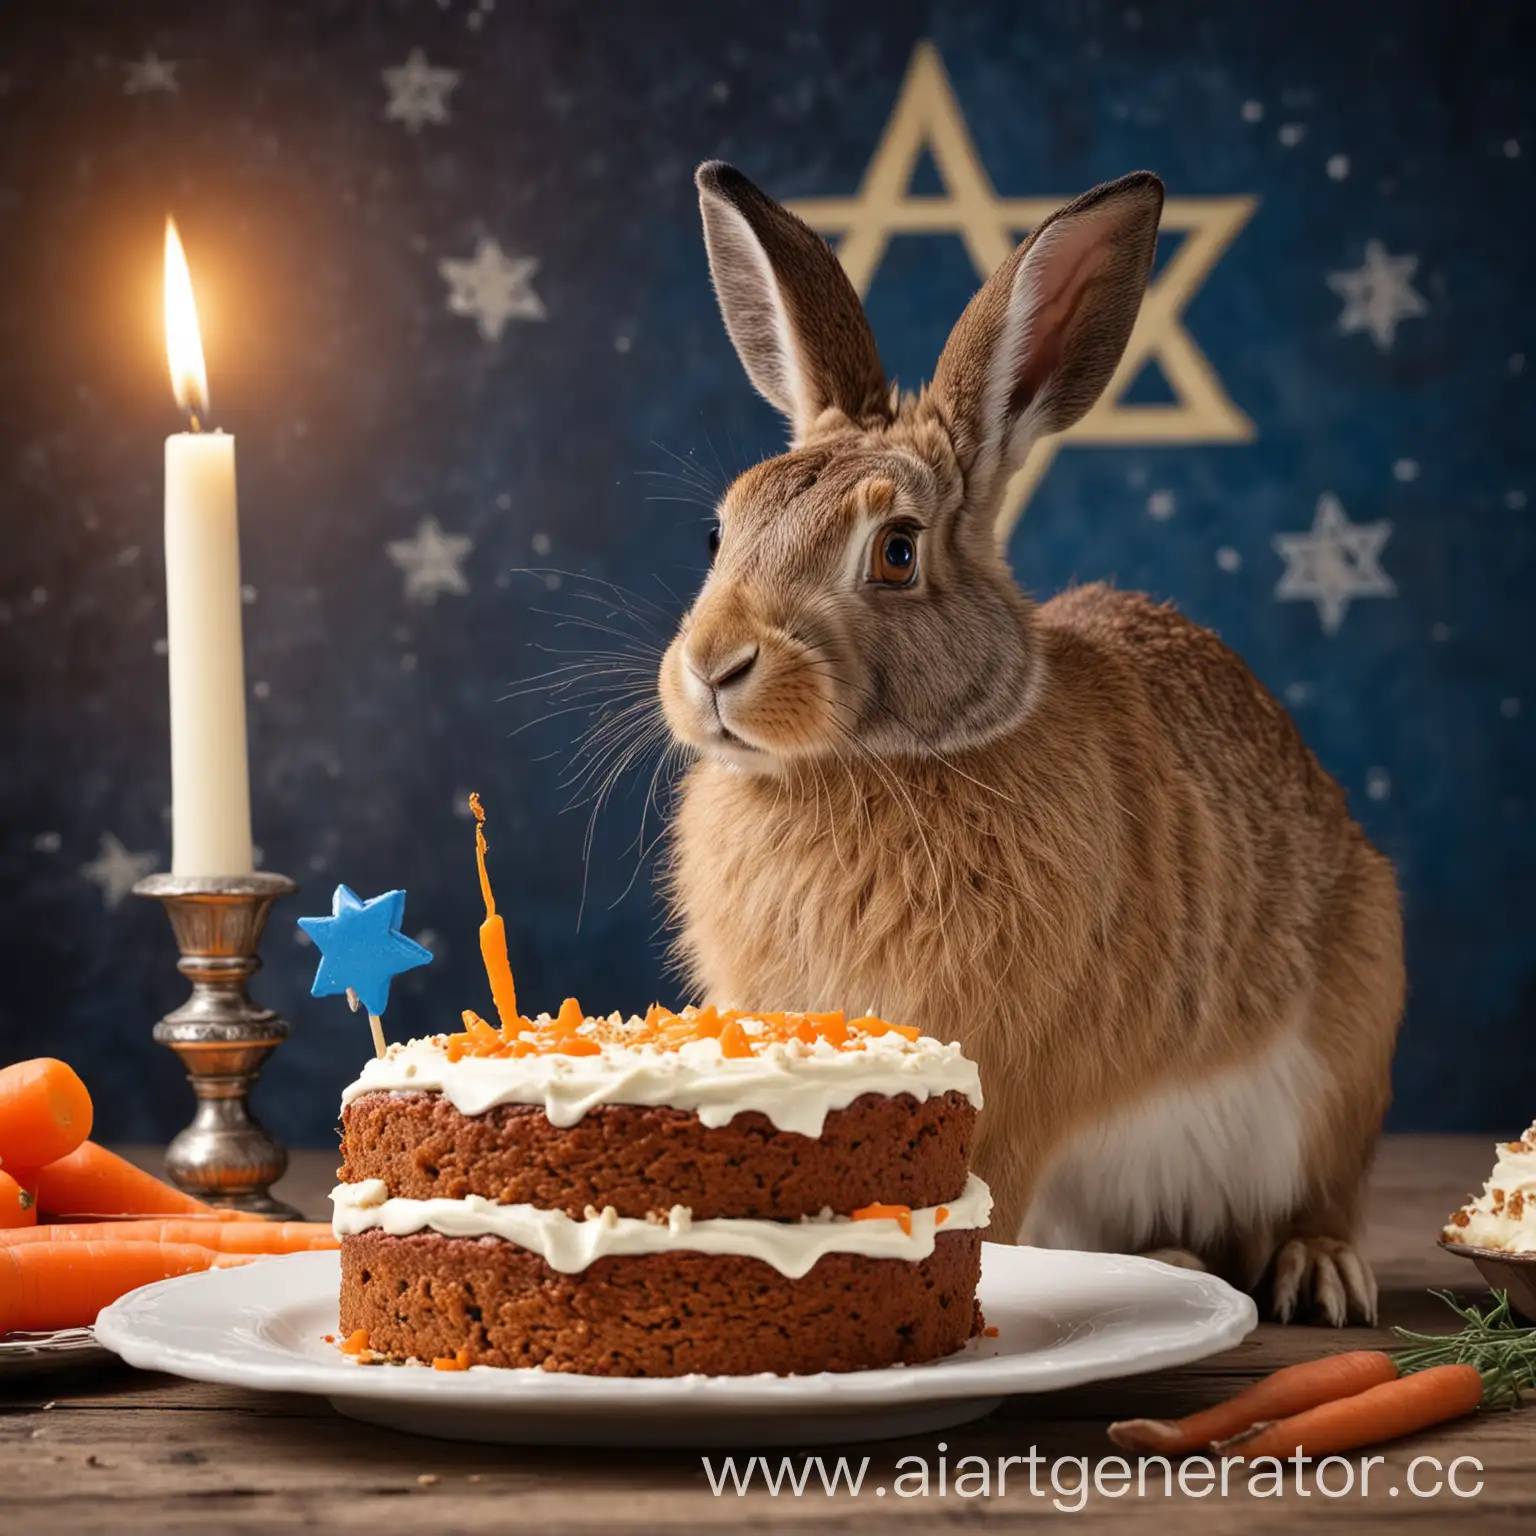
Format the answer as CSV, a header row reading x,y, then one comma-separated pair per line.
x,y
1382,1412
64,1285
900,1214
45,1112
18,1205
493,936
733,1040
91,1181
222,1237
1286,1392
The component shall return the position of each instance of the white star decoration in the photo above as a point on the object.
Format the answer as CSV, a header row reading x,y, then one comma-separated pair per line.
x,y
116,870
418,91
432,561
151,73
1334,563
1378,294
492,287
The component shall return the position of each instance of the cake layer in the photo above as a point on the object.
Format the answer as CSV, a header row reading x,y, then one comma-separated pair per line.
x,y
427,1296
791,1247
795,1083
642,1161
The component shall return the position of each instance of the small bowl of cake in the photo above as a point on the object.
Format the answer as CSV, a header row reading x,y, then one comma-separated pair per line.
x,y
1497,1229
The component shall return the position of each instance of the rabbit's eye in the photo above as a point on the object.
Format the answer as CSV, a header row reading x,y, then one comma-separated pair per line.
x,y
895,558
714,541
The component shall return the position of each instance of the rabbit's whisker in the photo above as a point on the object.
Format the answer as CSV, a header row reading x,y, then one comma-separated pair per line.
x,y
689,501
571,709
626,593
643,743
605,736
669,757
692,466
595,680
634,643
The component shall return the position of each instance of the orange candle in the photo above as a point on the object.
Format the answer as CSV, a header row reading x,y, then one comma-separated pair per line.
x,y
493,936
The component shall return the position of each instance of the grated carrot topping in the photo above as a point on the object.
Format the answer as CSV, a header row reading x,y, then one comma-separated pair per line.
x,y
901,1214
355,1343
989,1332
733,1040
941,1215
873,1026
741,1034
457,1361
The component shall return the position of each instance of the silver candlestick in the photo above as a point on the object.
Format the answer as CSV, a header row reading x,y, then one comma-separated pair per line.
x,y
226,1155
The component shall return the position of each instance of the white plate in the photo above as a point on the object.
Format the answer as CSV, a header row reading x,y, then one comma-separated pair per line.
x,y
1062,1319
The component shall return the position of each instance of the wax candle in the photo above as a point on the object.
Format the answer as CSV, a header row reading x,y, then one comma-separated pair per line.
x,y
210,780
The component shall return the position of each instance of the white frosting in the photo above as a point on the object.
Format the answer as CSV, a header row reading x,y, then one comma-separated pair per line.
x,y
1504,1215
795,1085
791,1247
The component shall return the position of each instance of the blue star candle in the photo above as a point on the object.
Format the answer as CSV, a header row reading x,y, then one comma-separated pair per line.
x,y
362,950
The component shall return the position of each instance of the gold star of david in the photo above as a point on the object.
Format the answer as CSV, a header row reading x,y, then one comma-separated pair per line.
x,y
927,116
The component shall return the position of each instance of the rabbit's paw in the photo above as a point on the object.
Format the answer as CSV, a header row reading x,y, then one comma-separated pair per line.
x,y
1322,1280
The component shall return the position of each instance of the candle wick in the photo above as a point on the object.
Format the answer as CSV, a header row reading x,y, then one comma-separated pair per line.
x,y
197,426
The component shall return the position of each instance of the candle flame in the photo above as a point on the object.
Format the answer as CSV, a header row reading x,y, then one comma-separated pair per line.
x,y
183,344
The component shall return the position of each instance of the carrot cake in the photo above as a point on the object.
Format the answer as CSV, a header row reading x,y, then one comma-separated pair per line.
x,y
1503,1217
686,1192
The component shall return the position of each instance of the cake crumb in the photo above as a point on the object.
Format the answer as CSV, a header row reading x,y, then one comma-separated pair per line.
x,y
474,1477
427,1479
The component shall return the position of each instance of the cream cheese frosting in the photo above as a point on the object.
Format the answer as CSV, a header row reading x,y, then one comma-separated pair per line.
x,y
795,1084
1504,1215
568,1245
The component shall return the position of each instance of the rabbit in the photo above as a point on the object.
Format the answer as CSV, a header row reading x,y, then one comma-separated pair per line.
x,y
1080,838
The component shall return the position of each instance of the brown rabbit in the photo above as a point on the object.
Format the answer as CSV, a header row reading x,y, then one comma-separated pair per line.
x,y
1081,838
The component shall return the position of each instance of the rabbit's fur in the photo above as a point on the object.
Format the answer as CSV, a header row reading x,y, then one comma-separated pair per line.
x,y
1081,838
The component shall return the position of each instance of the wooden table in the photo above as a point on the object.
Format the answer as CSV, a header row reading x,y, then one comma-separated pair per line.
x,y
122,1451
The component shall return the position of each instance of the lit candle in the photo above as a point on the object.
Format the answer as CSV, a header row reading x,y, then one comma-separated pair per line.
x,y
210,782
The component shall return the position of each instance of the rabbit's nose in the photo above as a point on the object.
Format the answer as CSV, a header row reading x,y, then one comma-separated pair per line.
x,y
721,672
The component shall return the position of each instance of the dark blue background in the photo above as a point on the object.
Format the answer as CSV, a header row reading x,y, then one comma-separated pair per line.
x,y
314,227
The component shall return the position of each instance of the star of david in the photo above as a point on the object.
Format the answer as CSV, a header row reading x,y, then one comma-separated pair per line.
x,y
927,117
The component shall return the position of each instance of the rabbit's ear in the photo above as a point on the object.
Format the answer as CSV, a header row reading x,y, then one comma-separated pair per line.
x,y
792,314
1036,346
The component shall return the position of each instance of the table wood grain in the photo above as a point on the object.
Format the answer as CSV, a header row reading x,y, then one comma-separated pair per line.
x,y
119,1450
